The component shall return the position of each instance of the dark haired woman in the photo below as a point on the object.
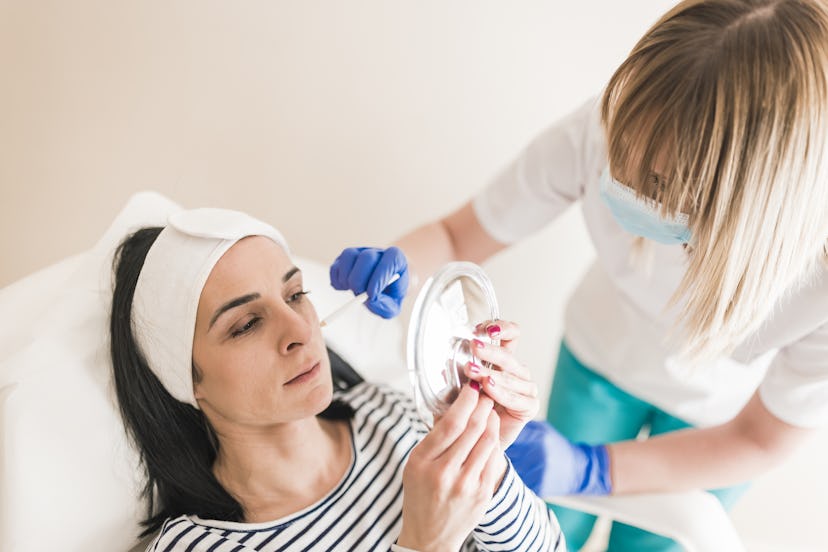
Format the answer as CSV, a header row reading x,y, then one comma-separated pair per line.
x,y
224,383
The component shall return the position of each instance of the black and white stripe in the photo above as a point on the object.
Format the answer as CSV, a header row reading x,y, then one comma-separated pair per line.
x,y
364,511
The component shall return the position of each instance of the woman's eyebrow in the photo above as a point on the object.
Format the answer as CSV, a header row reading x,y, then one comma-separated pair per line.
x,y
289,274
233,303
238,301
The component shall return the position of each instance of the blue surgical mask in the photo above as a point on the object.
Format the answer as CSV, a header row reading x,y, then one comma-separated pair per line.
x,y
640,216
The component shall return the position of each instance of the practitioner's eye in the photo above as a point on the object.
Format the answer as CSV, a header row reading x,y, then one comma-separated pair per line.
x,y
657,182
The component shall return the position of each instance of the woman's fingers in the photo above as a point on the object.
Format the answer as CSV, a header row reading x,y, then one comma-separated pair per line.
x,y
460,435
494,470
446,496
500,357
457,453
518,398
508,382
499,329
503,330
489,439
474,477
451,425
495,380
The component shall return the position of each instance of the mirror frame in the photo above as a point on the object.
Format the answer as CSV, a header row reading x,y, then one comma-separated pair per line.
x,y
428,402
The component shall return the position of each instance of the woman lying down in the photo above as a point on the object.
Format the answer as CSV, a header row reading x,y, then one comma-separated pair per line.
x,y
224,383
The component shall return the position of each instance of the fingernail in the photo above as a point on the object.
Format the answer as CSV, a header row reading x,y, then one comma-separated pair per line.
x,y
474,368
493,330
474,385
491,381
478,343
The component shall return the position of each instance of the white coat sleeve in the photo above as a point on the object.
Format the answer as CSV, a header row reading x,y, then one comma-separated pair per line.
x,y
795,388
548,176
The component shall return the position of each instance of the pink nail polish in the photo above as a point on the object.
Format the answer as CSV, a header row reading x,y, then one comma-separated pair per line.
x,y
474,385
474,368
493,330
491,381
478,343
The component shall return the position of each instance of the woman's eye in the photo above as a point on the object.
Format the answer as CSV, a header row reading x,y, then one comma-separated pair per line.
x,y
252,323
296,297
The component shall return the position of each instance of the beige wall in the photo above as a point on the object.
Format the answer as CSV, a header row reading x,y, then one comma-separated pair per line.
x,y
340,122
343,123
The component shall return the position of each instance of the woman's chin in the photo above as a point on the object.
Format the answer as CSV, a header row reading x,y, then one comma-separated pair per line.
x,y
320,396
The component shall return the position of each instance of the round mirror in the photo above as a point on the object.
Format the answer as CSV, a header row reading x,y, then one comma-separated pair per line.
x,y
449,306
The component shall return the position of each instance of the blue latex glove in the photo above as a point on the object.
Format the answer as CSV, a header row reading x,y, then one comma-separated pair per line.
x,y
552,465
370,269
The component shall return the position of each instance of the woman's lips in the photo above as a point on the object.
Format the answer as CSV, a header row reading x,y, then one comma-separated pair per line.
x,y
305,376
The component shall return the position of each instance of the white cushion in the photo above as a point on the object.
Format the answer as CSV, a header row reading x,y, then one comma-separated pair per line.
x,y
69,479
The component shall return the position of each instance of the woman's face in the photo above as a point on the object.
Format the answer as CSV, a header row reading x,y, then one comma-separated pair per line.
x,y
257,349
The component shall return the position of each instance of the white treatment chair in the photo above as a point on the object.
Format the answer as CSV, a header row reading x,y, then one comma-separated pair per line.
x,y
695,519
68,476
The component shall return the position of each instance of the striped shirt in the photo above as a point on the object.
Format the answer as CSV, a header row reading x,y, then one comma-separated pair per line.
x,y
364,511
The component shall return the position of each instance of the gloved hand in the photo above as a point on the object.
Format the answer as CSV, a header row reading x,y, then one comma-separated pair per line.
x,y
370,269
552,465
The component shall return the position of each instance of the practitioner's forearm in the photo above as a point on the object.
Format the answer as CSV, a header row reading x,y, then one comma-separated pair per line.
x,y
456,237
737,451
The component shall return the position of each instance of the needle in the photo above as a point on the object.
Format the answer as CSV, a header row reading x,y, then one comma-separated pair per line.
x,y
358,299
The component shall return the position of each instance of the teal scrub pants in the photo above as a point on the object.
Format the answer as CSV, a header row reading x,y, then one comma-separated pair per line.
x,y
586,407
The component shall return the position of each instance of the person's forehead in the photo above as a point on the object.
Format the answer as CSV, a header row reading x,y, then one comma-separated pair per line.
x,y
250,262
253,247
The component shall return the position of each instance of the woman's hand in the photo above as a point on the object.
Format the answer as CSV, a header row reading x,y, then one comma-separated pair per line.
x,y
508,382
451,475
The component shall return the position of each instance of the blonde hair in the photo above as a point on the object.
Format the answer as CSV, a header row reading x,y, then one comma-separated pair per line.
x,y
733,94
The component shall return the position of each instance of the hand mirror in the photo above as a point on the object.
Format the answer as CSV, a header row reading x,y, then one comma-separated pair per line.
x,y
449,306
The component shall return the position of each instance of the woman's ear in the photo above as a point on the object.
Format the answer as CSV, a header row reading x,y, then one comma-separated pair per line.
x,y
196,373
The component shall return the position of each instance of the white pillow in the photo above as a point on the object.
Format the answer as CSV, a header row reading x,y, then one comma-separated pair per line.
x,y
68,476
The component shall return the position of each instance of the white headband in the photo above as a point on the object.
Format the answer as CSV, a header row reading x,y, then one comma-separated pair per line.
x,y
166,296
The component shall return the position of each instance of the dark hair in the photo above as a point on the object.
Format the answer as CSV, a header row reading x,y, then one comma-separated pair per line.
x,y
176,444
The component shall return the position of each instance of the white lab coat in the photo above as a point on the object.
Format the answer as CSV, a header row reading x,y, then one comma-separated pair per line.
x,y
616,320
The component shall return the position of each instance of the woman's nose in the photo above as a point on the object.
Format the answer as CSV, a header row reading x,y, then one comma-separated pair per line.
x,y
295,332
